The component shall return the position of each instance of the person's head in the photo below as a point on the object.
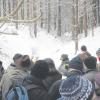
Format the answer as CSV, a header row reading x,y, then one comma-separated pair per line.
x,y
90,62
17,59
76,88
40,69
64,57
84,48
76,64
98,52
25,62
51,64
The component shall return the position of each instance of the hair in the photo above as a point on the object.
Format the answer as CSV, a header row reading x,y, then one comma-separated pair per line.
x,y
40,69
26,62
51,64
83,48
90,62
17,56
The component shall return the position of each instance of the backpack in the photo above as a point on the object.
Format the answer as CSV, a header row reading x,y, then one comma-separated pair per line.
x,y
20,92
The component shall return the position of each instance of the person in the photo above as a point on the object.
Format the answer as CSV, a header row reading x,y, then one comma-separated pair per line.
x,y
76,66
1,70
84,50
98,54
39,72
14,75
16,59
76,88
98,59
53,76
64,64
91,70
75,69
97,86
84,53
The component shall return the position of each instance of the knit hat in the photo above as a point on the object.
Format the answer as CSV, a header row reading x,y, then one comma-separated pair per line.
x,y
76,88
76,63
17,56
90,62
64,57
40,69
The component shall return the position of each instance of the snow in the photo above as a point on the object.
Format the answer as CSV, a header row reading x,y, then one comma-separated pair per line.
x,y
43,46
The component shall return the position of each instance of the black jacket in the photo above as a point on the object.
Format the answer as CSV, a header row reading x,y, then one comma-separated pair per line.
x,y
54,90
51,79
38,91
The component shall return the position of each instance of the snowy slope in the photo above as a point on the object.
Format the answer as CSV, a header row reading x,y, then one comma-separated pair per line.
x,y
42,47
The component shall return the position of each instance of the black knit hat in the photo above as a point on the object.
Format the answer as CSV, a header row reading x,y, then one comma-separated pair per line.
x,y
76,63
90,62
17,56
40,69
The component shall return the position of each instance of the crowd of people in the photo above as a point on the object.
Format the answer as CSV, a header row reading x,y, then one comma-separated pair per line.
x,y
43,81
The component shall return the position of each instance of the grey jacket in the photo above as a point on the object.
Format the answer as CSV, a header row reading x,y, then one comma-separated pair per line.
x,y
90,75
63,68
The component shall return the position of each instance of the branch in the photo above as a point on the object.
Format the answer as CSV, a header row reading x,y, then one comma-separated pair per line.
x,y
2,25
1,33
17,8
25,21
5,18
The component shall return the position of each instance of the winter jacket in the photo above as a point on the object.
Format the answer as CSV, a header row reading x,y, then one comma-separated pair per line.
x,y
11,77
90,75
52,78
54,90
38,91
84,55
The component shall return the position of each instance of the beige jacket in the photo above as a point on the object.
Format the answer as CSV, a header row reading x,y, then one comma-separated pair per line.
x,y
11,76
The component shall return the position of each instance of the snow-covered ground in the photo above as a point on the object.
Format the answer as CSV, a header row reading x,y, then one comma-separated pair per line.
x,y
43,46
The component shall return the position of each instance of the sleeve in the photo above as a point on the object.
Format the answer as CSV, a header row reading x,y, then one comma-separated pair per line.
x,y
5,86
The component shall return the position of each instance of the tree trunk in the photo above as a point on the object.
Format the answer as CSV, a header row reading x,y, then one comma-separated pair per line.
x,y
73,21
59,19
35,14
85,20
42,20
49,16
77,28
